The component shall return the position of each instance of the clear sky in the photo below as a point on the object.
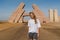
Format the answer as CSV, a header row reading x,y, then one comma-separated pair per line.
x,y
8,6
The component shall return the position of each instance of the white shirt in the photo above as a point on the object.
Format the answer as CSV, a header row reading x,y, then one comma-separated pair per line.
x,y
32,26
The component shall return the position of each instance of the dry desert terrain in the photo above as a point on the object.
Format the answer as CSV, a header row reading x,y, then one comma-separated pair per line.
x,y
18,31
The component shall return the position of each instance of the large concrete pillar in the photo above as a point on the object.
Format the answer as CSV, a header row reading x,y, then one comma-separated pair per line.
x,y
56,19
50,15
19,16
20,20
22,17
17,12
39,14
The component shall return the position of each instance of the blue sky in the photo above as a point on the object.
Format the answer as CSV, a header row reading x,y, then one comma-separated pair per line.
x,y
7,7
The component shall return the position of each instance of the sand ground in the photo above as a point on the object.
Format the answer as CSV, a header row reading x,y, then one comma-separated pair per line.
x,y
8,31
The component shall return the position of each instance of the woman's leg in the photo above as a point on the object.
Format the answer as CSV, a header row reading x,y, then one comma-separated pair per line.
x,y
30,36
35,37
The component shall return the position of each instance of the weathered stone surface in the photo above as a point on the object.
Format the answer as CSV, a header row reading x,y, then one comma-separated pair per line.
x,y
20,20
19,16
18,10
21,6
22,17
51,15
55,12
39,14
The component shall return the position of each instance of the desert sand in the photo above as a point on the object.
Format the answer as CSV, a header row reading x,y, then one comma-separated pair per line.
x,y
18,31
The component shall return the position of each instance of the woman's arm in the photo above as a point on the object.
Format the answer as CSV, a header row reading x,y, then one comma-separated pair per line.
x,y
38,31
39,26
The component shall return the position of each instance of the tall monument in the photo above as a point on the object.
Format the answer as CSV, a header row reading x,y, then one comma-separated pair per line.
x,y
50,15
39,14
53,15
17,14
55,12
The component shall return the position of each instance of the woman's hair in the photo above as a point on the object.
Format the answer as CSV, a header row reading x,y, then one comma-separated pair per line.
x,y
34,17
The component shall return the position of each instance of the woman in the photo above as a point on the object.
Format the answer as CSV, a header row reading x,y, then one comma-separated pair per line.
x,y
33,26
